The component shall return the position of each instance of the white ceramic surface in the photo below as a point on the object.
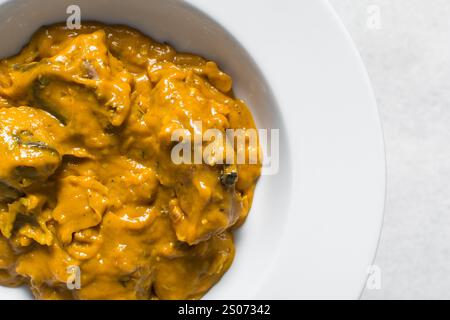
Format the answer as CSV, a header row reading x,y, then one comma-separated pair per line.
x,y
313,228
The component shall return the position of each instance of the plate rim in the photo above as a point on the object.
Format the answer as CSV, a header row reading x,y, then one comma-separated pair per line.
x,y
218,13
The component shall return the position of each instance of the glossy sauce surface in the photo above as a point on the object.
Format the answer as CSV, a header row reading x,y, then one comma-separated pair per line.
x,y
86,175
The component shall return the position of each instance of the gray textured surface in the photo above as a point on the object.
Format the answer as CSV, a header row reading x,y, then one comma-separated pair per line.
x,y
408,62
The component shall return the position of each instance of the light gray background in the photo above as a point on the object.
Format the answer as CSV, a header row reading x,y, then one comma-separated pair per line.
x,y
408,63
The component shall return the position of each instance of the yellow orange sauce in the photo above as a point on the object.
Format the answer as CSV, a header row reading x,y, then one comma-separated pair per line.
x,y
86,175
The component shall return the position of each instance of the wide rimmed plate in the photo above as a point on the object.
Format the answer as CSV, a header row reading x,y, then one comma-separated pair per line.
x,y
314,226
335,146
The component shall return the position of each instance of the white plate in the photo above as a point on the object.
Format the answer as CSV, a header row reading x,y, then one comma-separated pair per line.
x,y
314,227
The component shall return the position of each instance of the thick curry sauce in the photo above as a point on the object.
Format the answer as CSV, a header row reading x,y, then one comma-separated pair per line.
x,y
86,176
